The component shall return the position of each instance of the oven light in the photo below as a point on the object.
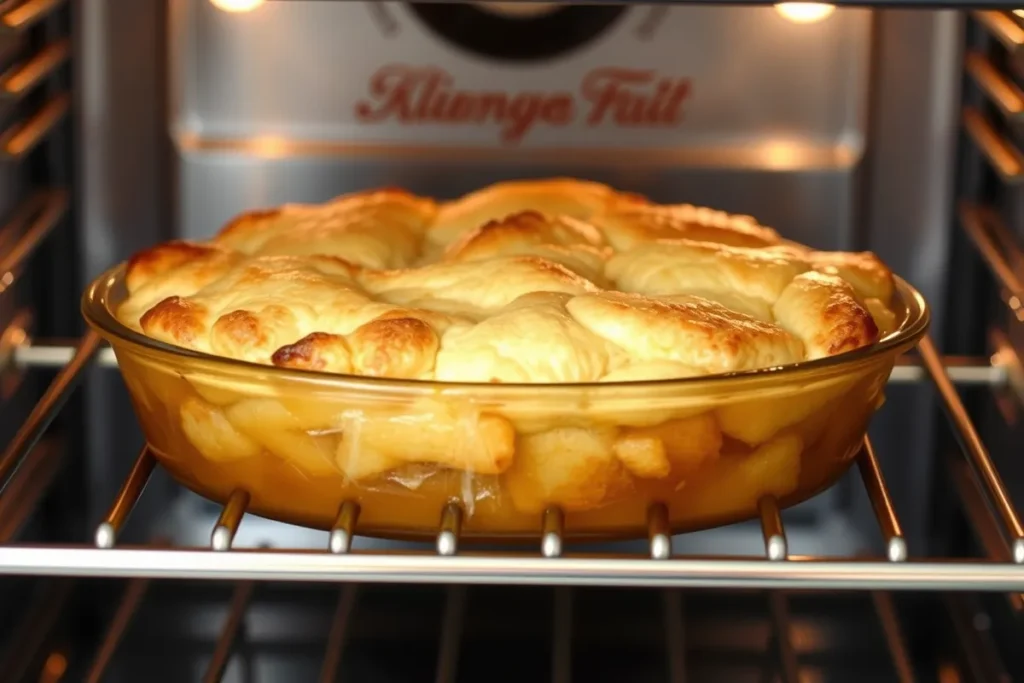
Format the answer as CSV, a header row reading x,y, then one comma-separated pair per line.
x,y
805,12
237,5
1019,13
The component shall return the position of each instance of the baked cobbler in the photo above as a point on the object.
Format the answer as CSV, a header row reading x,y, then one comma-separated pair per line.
x,y
549,281
530,282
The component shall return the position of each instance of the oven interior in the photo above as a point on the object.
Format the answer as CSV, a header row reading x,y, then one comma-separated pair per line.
x,y
128,122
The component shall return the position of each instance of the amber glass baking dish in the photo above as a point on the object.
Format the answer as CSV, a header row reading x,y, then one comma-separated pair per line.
x,y
708,448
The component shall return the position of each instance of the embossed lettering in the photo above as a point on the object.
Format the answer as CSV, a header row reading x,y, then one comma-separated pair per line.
x,y
634,98
625,97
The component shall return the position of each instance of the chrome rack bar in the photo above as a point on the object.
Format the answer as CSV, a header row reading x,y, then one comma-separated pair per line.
x,y
28,14
999,89
52,356
1001,253
126,610
451,528
894,639
985,527
990,237
131,491
675,635
27,488
23,77
1002,27
230,517
48,406
975,450
776,549
1002,155
552,530
775,545
343,530
338,633
451,635
232,627
982,373
561,633
789,667
44,209
799,573
24,136
659,533
881,503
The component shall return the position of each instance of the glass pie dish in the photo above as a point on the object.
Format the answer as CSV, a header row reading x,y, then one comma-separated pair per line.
x,y
708,448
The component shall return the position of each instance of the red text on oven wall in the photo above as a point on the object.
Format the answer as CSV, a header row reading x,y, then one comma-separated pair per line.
x,y
618,97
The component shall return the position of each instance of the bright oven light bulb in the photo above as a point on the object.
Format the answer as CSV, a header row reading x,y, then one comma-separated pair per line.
x,y
237,5
805,12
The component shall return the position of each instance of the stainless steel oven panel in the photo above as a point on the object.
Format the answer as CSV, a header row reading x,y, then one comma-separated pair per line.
x,y
760,86
815,206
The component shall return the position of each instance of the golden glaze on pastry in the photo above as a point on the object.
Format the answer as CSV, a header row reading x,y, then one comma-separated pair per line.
x,y
380,229
546,282
353,286
629,222
553,197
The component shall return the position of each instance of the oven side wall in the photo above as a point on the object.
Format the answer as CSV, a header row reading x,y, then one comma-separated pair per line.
x,y
123,195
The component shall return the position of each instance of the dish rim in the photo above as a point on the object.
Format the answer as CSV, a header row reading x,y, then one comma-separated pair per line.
x,y
95,307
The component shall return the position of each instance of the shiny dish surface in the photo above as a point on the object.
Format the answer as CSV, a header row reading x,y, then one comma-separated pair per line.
x,y
534,344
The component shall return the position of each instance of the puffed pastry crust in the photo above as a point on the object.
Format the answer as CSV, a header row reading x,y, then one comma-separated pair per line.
x,y
552,281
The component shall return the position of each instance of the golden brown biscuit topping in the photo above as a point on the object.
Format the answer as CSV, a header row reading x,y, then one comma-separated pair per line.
x,y
556,281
